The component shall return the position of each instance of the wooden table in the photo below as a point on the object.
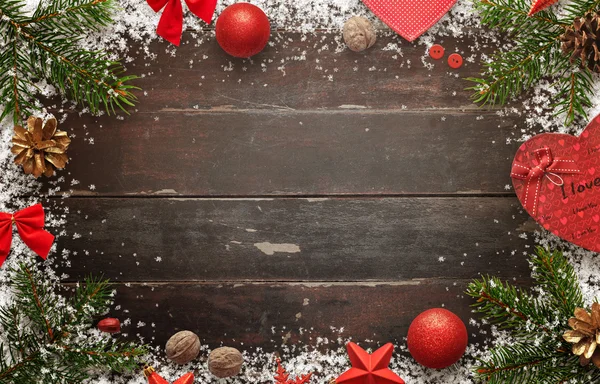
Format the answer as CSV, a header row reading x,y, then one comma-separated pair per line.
x,y
246,202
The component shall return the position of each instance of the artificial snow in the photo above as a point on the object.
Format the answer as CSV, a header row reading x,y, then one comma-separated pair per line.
x,y
136,24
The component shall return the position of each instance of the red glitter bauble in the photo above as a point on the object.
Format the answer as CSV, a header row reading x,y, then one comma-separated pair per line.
x,y
243,30
437,338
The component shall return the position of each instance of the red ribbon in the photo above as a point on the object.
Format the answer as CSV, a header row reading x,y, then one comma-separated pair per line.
x,y
546,166
170,25
30,224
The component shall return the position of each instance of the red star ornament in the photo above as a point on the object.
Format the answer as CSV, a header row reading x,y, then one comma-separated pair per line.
x,y
369,369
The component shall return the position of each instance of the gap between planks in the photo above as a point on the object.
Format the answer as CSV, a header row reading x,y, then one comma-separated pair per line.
x,y
304,283
174,196
312,284
342,109
471,109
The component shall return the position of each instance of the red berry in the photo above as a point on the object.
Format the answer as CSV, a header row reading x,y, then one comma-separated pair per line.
x,y
110,325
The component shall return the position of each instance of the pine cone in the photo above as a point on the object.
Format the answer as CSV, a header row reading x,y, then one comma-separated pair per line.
x,y
585,335
582,39
40,147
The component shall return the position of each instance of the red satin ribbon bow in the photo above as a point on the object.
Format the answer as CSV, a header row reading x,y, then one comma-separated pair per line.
x,y
546,166
171,21
30,224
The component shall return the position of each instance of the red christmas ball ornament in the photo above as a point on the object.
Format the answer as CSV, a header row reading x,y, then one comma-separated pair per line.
x,y
188,378
437,338
243,30
153,377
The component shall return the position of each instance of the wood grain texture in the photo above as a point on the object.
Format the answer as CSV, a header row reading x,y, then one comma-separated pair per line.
x,y
297,71
196,153
269,314
144,239
309,187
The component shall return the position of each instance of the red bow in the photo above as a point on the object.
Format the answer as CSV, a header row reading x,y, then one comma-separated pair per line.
x,y
171,21
546,166
30,224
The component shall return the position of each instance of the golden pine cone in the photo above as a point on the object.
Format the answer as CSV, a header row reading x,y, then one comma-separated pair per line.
x,y
41,147
585,335
582,40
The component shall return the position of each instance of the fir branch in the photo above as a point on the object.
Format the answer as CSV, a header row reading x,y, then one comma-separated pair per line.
x,y
90,298
61,14
537,353
536,55
116,357
575,9
12,10
509,307
526,363
512,16
509,73
34,307
15,82
11,321
578,88
22,368
15,89
45,46
518,363
48,340
556,276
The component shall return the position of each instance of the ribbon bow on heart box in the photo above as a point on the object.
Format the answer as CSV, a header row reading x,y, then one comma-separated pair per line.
x,y
170,25
547,167
30,224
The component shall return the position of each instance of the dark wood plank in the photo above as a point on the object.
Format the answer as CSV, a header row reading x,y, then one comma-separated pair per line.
x,y
299,71
260,152
267,315
145,239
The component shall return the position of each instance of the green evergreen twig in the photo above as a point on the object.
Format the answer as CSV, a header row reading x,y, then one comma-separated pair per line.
x,y
47,335
45,46
535,55
536,320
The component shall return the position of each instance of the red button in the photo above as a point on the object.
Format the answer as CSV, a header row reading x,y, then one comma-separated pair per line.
x,y
436,51
455,61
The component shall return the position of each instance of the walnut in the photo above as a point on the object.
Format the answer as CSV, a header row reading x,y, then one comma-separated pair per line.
x,y
183,347
359,34
225,362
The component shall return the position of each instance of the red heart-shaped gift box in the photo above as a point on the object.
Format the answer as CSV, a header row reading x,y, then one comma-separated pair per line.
x,y
557,179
